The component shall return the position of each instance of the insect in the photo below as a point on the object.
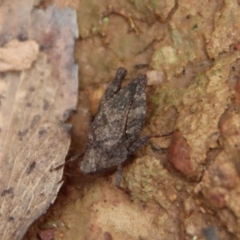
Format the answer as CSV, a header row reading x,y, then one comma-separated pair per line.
x,y
115,131
210,233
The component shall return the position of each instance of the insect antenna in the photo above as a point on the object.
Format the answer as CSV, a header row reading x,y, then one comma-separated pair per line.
x,y
72,159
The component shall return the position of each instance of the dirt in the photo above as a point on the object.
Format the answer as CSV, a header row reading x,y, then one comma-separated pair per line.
x,y
177,186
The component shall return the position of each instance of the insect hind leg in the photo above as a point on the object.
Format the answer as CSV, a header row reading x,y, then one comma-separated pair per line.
x,y
136,145
115,85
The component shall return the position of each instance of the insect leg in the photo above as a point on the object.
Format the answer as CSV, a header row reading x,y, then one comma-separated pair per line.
x,y
141,141
119,175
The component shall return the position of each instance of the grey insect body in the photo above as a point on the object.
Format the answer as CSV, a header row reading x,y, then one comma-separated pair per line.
x,y
115,131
